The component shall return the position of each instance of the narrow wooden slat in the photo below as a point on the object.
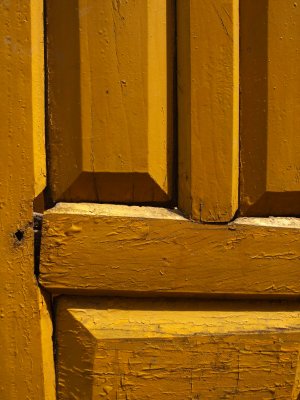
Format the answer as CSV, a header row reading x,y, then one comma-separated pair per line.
x,y
38,95
121,249
208,108
110,100
270,111
118,349
22,353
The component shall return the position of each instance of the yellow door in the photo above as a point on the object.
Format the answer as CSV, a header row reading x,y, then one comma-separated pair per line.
x,y
171,243
153,299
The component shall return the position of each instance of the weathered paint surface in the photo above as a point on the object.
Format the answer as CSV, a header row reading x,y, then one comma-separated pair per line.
x,y
124,349
21,351
110,99
100,248
270,107
208,108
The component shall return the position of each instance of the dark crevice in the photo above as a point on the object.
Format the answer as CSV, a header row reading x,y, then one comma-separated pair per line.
x,y
19,235
174,202
47,198
37,229
48,202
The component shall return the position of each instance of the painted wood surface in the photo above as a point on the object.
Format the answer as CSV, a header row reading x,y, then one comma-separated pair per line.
x,y
22,353
208,108
48,347
110,100
124,349
270,107
121,249
38,95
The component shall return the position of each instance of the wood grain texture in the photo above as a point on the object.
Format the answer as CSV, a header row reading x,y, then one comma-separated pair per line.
x,y
208,108
270,110
92,249
123,349
110,100
22,356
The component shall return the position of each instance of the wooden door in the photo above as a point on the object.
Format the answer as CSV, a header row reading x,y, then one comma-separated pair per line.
x,y
167,281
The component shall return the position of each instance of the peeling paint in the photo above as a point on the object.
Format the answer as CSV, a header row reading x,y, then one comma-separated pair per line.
x,y
158,349
137,250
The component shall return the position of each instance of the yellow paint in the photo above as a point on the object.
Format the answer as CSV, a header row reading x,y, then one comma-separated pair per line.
x,y
47,345
110,100
270,113
111,138
138,250
128,349
208,108
21,353
38,95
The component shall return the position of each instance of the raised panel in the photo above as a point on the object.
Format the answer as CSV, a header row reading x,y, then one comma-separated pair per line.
x,y
110,80
150,349
112,249
270,107
208,108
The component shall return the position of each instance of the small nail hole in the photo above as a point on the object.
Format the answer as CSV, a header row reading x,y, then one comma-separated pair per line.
x,y
19,235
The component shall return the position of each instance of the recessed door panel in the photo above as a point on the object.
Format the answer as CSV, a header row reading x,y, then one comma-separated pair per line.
x,y
270,108
110,79
153,349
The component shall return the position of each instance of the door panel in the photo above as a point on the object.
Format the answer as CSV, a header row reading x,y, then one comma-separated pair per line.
x,y
121,249
112,139
123,349
270,108
208,108
110,70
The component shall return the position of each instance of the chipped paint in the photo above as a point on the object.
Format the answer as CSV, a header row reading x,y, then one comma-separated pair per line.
x,y
158,349
137,251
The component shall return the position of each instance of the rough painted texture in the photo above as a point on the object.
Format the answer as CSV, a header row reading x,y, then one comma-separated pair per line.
x,y
270,107
21,355
208,108
124,349
86,249
110,99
